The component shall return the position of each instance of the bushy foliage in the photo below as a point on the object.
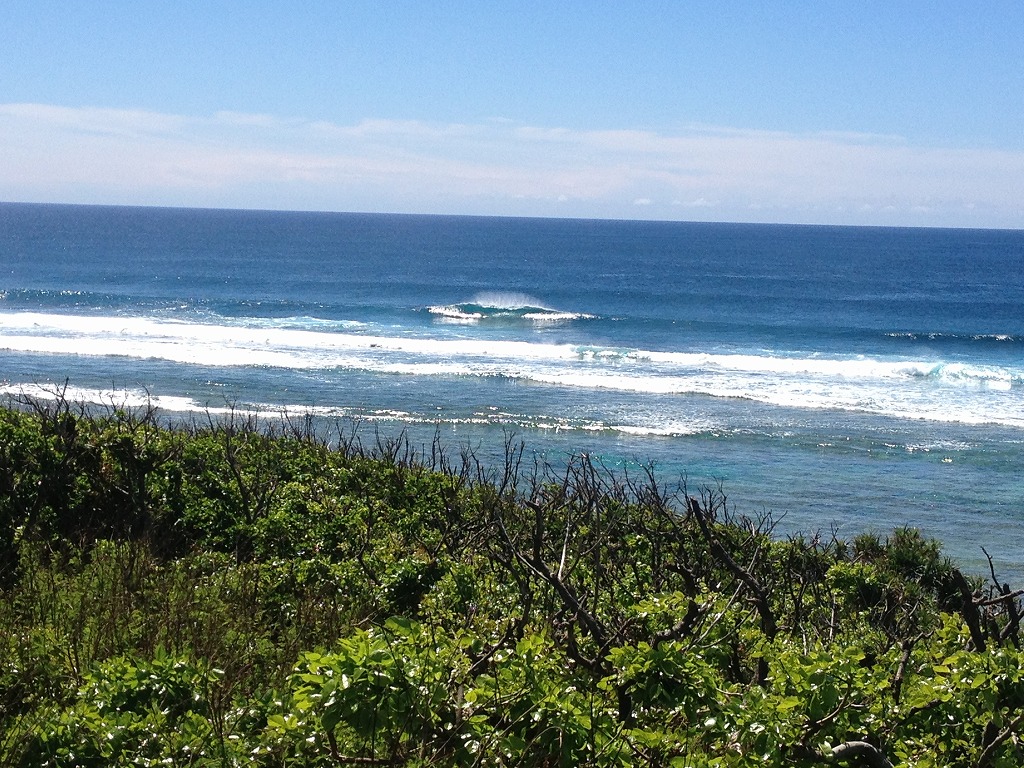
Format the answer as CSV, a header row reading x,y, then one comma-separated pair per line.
x,y
230,593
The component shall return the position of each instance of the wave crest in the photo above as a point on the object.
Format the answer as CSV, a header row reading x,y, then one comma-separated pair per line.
x,y
504,307
934,337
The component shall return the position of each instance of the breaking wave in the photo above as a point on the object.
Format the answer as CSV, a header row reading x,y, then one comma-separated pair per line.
x,y
942,390
503,307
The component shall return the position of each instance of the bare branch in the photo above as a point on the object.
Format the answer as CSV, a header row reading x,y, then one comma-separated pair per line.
x,y
990,749
867,753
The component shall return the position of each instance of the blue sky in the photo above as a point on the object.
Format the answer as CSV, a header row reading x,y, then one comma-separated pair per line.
x,y
862,113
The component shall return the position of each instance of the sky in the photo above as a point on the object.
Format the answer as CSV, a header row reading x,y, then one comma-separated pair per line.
x,y
869,113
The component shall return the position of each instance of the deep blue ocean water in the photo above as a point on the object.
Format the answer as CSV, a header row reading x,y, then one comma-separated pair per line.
x,y
857,378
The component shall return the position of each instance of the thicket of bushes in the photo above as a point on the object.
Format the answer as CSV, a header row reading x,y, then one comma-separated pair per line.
x,y
230,593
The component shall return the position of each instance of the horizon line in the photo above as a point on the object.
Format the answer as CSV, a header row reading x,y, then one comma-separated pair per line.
x,y
510,216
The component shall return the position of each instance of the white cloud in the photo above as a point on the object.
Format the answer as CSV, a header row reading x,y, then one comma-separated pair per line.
x,y
53,153
92,120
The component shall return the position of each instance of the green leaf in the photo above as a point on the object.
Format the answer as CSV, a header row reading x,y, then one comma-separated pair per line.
x,y
788,703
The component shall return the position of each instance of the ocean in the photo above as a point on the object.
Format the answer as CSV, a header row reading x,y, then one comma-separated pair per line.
x,y
839,378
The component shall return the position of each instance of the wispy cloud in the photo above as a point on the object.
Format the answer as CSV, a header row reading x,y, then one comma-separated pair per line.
x,y
92,120
499,167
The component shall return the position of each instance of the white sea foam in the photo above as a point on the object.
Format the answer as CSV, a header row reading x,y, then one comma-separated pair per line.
x,y
138,398
472,313
218,344
924,389
554,317
118,399
674,429
455,312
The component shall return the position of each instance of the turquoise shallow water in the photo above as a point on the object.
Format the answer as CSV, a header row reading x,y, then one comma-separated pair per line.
x,y
858,378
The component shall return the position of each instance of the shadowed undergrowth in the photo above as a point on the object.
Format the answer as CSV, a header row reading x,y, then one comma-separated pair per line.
x,y
234,592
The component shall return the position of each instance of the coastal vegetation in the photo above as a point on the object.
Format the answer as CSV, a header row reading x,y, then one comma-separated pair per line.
x,y
241,592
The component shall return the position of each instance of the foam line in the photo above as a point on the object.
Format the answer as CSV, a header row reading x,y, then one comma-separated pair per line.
x,y
927,389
